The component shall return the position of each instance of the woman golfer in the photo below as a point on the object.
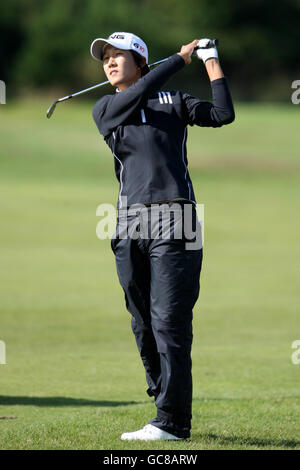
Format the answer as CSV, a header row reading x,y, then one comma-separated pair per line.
x,y
158,268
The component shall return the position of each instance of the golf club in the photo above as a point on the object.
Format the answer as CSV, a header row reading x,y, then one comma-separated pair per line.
x,y
212,43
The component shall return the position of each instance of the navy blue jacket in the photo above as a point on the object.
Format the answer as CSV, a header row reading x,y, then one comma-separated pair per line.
x,y
146,130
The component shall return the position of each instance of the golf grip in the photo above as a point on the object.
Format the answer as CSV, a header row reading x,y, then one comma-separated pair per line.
x,y
212,43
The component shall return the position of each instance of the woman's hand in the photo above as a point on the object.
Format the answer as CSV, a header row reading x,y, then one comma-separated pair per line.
x,y
187,51
209,57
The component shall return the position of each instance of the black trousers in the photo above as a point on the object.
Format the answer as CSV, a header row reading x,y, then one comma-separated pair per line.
x,y
160,279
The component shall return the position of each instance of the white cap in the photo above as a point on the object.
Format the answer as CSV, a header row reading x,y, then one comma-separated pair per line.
x,y
126,41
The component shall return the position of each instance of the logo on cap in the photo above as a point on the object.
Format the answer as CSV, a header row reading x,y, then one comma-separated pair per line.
x,y
117,36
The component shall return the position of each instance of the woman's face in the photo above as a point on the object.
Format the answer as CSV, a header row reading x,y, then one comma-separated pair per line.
x,y
120,68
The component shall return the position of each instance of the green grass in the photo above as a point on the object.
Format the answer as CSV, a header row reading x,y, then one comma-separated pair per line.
x,y
73,378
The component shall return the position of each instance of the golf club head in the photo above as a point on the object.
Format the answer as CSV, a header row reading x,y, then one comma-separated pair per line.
x,y
51,109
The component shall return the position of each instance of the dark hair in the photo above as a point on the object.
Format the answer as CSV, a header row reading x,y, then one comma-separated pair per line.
x,y
138,59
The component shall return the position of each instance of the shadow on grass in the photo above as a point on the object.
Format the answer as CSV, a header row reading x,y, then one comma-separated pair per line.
x,y
247,441
60,401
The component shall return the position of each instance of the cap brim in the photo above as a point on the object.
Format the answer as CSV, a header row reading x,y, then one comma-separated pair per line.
x,y
97,47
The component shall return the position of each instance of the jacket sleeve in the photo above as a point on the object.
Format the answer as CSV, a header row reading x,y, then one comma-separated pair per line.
x,y
207,114
113,110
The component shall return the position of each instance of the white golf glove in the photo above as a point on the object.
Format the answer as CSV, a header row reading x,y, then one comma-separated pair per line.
x,y
204,54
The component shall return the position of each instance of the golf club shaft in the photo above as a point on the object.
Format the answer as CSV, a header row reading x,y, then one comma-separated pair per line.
x,y
83,91
212,43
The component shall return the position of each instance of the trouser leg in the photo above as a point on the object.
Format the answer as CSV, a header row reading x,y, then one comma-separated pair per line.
x,y
174,403
148,351
133,270
175,274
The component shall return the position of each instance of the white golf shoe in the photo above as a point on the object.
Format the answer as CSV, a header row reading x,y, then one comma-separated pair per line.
x,y
149,433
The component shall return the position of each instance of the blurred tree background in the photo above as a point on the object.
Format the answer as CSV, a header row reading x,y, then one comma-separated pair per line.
x,y
45,44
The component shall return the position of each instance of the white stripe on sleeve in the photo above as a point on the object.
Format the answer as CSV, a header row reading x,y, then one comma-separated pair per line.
x,y
165,97
169,97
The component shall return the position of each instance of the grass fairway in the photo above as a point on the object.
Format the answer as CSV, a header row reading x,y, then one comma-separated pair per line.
x,y
73,378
